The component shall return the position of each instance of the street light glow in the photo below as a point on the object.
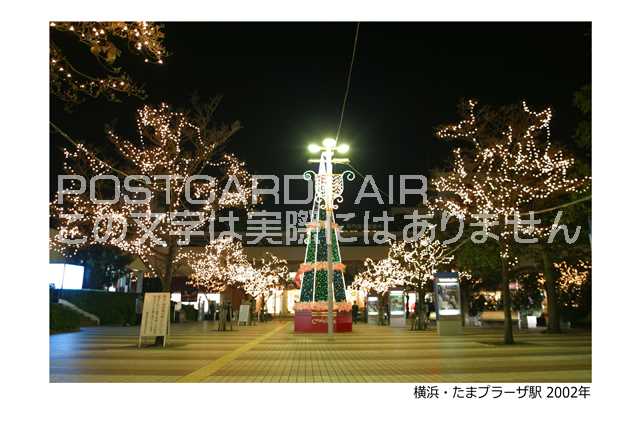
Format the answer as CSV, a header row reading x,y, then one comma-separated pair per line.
x,y
343,148
314,148
329,143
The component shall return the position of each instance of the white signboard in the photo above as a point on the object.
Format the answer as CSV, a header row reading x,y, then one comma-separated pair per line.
x,y
243,317
155,316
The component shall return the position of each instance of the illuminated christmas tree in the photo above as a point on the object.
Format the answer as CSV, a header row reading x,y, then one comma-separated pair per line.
x,y
314,281
322,256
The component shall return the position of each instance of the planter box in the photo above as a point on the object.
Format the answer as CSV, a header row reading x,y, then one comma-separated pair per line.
x,y
316,321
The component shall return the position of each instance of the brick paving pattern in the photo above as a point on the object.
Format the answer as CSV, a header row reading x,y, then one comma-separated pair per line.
x,y
272,352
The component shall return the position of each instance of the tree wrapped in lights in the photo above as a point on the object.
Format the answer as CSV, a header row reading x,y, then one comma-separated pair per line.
x,y
379,277
509,168
573,284
73,83
171,144
419,261
409,264
222,263
269,274
469,283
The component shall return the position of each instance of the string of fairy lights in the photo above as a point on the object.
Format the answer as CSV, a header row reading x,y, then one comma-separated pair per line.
x,y
518,168
572,281
379,276
160,150
500,176
410,264
487,179
144,39
168,144
505,174
224,263
143,36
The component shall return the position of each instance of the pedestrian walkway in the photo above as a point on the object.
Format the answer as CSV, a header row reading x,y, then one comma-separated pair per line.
x,y
272,352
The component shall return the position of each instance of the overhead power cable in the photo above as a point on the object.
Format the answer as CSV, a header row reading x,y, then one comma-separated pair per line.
x,y
346,91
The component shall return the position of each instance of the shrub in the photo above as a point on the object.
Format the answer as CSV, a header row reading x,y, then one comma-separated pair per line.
x,y
113,308
63,319
191,313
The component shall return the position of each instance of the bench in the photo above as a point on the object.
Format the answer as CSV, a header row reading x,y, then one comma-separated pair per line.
x,y
496,318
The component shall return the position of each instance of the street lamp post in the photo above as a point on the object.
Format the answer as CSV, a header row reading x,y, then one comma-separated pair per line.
x,y
325,191
327,234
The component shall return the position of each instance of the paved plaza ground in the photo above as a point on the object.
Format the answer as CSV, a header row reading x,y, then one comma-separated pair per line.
x,y
272,352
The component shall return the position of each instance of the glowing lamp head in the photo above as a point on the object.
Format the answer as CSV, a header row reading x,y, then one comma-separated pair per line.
x,y
329,143
342,148
314,148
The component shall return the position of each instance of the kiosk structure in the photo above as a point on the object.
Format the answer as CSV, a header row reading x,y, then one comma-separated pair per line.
x,y
396,309
372,310
446,288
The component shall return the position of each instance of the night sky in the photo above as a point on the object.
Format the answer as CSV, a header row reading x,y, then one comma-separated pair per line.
x,y
285,82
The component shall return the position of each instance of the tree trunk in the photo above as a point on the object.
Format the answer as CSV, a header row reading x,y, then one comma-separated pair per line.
x,y
553,316
420,309
380,310
463,305
168,274
168,265
506,301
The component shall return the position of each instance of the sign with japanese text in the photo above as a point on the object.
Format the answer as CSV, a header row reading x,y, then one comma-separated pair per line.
x,y
155,315
243,317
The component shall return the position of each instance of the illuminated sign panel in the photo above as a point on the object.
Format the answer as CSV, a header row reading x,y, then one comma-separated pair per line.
x,y
447,294
66,276
372,305
396,303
